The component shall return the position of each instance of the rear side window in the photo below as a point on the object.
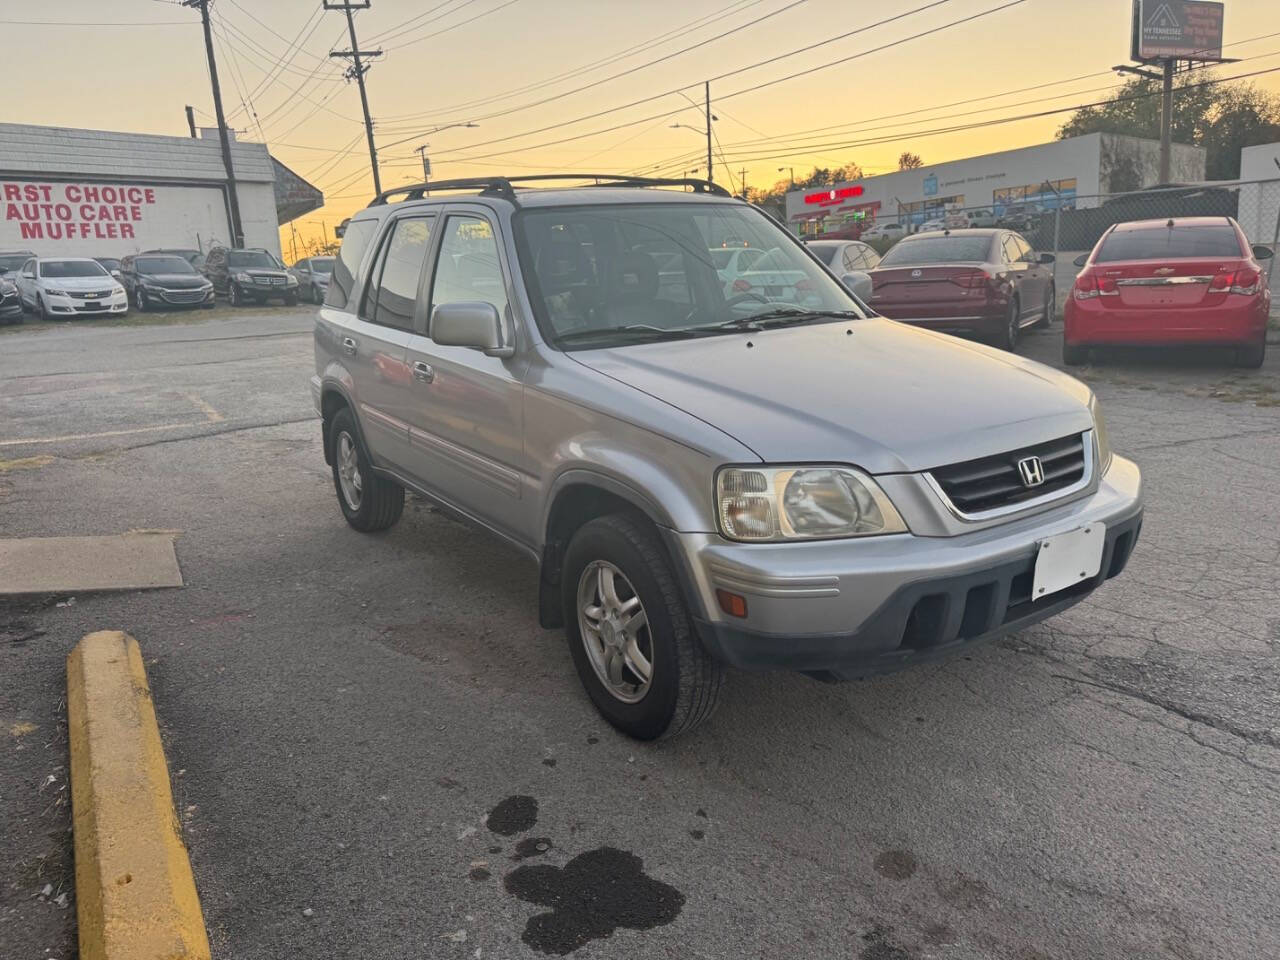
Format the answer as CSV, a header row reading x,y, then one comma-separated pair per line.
x,y
354,244
1168,243
937,250
393,290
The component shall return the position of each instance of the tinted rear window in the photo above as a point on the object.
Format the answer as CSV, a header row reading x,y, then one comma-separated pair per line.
x,y
826,252
1167,243
354,244
938,250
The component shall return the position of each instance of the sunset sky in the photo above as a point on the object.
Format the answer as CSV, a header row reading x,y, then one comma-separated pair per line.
x,y
493,62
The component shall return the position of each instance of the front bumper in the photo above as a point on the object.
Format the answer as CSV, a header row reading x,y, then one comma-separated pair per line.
x,y
864,607
11,308
264,291
78,306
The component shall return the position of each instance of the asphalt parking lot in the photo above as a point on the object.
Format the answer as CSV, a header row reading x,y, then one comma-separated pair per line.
x,y
342,713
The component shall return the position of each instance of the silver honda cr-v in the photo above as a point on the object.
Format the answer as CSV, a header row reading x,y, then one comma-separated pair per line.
x,y
747,469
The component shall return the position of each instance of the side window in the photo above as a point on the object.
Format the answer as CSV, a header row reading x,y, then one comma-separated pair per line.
x,y
355,241
1023,248
392,293
1009,252
468,267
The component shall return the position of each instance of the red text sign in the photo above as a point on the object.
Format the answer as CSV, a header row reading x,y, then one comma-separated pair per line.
x,y
825,198
70,211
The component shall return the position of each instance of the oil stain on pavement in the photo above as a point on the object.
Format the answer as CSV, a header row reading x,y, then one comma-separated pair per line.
x,y
513,815
595,893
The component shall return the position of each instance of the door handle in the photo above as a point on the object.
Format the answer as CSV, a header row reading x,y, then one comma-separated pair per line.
x,y
349,346
423,372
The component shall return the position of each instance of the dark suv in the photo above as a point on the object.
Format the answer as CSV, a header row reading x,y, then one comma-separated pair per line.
x,y
164,280
249,275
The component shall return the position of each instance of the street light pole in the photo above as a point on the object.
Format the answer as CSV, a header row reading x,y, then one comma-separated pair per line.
x,y
710,170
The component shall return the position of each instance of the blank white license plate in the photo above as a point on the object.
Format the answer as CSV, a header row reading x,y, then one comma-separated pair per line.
x,y
1065,560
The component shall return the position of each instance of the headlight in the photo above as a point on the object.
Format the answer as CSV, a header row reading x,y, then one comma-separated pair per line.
x,y
802,503
55,292
291,281
1101,436
243,278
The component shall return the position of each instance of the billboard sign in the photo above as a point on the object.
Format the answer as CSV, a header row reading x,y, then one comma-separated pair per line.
x,y
1177,29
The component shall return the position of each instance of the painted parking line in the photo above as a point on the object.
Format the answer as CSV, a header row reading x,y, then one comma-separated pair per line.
x,y
67,438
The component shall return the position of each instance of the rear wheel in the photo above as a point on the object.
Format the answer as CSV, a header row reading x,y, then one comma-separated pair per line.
x,y
1074,355
629,631
1008,339
1050,308
369,502
1252,355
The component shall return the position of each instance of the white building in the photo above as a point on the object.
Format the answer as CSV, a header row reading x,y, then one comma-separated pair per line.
x,y
1260,192
1067,172
69,192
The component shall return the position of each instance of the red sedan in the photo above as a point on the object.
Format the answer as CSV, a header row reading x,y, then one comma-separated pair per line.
x,y
984,283
1191,280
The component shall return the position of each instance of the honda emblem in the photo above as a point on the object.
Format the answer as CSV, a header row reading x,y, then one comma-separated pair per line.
x,y
1032,471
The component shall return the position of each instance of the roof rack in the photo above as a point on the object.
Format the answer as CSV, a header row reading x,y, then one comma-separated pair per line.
x,y
505,186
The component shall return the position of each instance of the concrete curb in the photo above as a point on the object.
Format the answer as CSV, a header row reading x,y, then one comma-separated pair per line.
x,y
135,895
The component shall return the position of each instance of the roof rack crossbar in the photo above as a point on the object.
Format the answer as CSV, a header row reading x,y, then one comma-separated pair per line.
x,y
505,186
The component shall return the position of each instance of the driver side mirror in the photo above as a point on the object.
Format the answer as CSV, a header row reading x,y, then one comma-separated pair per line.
x,y
1048,258
1081,260
471,323
1262,253
859,284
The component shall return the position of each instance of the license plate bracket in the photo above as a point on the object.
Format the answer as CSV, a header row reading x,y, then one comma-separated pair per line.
x,y
1068,558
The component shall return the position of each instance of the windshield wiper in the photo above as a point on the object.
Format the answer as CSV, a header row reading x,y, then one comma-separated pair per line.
x,y
630,331
784,317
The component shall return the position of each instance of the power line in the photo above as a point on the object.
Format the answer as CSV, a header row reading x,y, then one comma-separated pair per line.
x,y
454,26
419,20
619,126
683,29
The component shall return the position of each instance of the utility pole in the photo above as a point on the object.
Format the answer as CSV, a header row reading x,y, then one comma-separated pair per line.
x,y
293,241
426,163
237,231
191,120
1166,122
711,177
357,72
742,174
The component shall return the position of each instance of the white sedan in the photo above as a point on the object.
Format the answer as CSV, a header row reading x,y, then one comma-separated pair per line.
x,y
885,231
70,287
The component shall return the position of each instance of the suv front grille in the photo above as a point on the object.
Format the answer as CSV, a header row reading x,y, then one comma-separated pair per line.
x,y
991,483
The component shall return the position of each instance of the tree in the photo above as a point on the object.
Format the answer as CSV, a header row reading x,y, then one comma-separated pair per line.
x,y
1222,118
909,161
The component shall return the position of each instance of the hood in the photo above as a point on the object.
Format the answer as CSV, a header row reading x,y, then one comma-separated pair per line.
x,y
80,283
877,394
174,281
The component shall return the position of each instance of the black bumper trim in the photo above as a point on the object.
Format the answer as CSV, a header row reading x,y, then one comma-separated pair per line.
x,y
923,621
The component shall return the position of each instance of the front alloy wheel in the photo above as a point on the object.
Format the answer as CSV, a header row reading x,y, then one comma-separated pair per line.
x,y
234,295
615,631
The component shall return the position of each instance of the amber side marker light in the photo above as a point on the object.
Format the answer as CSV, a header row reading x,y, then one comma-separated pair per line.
x,y
731,603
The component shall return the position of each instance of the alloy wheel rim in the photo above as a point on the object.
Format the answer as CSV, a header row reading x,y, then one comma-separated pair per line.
x,y
349,471
615,631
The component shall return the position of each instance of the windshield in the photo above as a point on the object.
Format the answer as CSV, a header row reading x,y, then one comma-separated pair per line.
x,y
62,269
249,259
322,265
163,265
826,252
109,262
619,273
1167,243
922,250
10,262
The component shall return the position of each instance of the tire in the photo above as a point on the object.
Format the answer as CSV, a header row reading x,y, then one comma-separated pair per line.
x,y
41,313
1008,338
316,296
1252,355
291,300
684,681
369,502
1050,308
1074,355
234,296
139,300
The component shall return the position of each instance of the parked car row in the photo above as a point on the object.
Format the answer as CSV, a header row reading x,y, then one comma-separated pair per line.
x,y
154,279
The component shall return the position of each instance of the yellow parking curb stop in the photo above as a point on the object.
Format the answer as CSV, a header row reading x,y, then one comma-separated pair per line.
x,y
135,895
